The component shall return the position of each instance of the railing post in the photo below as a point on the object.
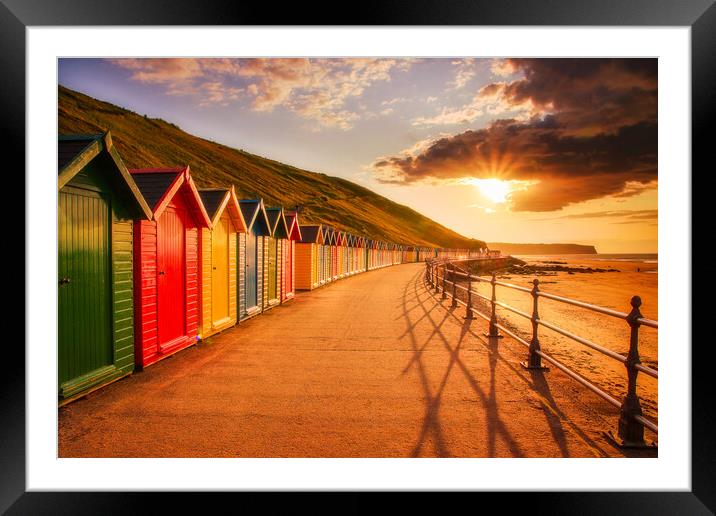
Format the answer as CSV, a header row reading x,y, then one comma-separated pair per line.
x,y
468,308
444,296
631,431
454,288
493,333
436,275
534,360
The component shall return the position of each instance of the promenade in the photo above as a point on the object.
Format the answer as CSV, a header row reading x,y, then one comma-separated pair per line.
x,y
371,366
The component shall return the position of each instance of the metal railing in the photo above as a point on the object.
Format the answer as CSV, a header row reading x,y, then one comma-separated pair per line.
x,y
631,420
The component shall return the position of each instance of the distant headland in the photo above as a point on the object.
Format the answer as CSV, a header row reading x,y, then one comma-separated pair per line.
x,y
542,248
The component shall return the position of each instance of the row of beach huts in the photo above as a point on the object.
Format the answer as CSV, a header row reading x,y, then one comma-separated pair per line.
x,y
148,264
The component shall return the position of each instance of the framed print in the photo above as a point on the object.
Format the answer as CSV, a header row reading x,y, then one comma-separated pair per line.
x,y
385,253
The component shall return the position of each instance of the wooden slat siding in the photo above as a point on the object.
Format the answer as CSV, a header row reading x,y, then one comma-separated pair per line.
x,y
193,282
303,266
264,268
292,243
232,275
123,295
260,272
241,285
205,258
282,277
285,269
145,289
288,269
279,268
317,264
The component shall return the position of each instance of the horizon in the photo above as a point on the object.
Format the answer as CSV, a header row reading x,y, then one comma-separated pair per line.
x,y
549,151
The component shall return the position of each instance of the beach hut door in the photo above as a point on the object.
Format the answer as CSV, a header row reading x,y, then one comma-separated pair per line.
x,y
220,272
84,338
170,276
273,268
250,270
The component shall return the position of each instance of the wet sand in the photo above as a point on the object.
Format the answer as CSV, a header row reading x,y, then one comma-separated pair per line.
x,y
607,289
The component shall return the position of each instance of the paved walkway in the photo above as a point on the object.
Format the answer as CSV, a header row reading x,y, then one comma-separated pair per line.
x,y
371,366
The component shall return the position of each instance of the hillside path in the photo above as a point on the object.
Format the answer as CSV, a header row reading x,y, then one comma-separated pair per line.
x,y
371,366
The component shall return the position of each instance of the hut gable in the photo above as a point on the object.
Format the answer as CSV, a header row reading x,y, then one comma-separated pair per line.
x,y
216,200
160,185
294,228
311,234
75,152
255,216
277,222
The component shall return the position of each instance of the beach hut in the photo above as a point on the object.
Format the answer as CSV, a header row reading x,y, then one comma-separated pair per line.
x,y
97,203
327,254
341,253
274,259
251,263
332,255
166,268
347,238
350,254
288,254
218,257
368,254
360,253
309,258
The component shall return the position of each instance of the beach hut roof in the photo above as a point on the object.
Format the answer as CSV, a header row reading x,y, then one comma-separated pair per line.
x,y
329,235
277,221
160,185
294,228
74,152
216,200
255,216
312,234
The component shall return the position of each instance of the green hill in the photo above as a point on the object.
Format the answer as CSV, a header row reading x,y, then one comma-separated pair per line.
x,y
149,142
543,248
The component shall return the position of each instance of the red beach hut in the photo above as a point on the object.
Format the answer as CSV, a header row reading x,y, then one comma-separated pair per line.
x,y
166,269
289,255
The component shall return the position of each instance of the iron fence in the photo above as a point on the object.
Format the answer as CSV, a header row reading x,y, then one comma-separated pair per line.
x,y
443,276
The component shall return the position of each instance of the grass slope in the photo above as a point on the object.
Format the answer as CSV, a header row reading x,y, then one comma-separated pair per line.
x,y
147,142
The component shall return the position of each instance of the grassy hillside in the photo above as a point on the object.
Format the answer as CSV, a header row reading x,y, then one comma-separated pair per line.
x,y
543,248
147,142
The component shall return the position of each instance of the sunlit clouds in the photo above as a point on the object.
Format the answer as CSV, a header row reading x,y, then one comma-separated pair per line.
x,y
498,191
586,129
499,149
314,89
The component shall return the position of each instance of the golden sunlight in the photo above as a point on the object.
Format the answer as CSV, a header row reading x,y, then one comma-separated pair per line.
x,y
494,189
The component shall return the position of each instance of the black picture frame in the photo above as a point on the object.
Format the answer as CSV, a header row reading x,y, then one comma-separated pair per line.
x,y
700,15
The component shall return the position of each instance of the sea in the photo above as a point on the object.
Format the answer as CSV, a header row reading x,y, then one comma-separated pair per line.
x,y
616,257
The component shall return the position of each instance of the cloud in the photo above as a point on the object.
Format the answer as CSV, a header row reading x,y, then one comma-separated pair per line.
x,y
315,89
632,216
587,129
466,71
397,100
488,101
503,67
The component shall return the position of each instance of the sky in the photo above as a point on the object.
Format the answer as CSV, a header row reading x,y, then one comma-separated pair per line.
x,y
504,150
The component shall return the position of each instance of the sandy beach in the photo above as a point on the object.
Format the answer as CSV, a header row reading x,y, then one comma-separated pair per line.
x,y
607,289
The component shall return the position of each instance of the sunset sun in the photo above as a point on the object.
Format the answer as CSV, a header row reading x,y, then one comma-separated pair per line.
x,y
494,189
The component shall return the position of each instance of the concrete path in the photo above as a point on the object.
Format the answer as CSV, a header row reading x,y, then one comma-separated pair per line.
x,y
371,366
